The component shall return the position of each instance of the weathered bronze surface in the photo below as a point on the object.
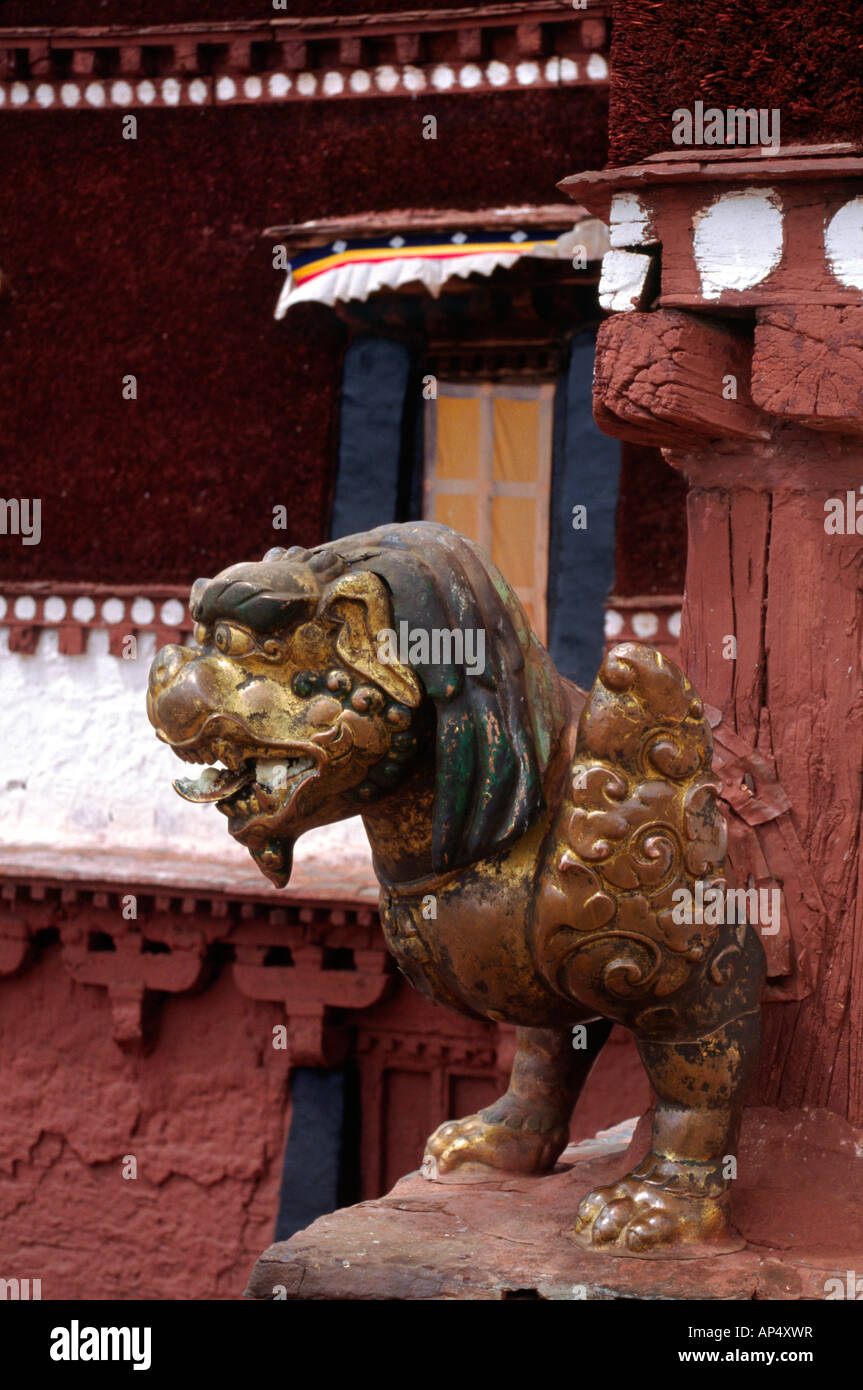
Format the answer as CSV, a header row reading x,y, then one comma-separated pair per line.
x,y
529,840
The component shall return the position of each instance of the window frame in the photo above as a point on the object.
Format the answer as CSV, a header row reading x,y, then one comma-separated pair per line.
x,y
485,487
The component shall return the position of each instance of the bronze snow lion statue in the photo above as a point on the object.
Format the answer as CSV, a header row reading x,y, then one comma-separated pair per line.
x,y
536,848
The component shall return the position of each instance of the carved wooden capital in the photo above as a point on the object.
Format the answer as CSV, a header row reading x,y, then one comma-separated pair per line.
x,y
807,365
674,379
768,243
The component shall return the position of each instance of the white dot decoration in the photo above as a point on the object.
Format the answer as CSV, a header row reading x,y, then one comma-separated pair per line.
x,y
279,85
44,95
645,624
83,609
443,77
470,75
843,244
497,73
253,87
360,81
386,78
95,94
54,609
306,84
69,94
172,612
527,73
121,93
171,91
568,70
674,623
226,89
142,611
333,84
613,623
414,79
113,610
197,91
19,94
738,240
597,68
146,93
25,607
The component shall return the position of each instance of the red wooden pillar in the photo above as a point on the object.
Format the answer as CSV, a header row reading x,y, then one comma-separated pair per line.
x,y
736,345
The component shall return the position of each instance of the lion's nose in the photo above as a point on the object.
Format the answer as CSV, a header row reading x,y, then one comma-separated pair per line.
x,y
166,663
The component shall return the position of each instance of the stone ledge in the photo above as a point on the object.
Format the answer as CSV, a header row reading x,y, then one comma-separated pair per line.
x,y
509,1239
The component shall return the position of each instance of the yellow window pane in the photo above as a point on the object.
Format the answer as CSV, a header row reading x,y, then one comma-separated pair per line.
x,y
461,513
458,426
513,539
516,440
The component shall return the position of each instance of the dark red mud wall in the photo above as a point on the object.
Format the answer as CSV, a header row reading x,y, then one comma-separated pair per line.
x,y
145,257
804,60
650,544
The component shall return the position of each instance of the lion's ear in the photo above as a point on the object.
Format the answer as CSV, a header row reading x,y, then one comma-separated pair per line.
x,y
360,603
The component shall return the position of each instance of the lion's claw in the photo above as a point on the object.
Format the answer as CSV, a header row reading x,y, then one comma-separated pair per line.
x,y
637,1216
512,1143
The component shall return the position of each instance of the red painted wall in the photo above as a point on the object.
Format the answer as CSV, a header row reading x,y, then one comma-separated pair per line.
x,y
205,1115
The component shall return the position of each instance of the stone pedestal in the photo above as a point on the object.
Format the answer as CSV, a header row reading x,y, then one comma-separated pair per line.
x,y
798,1202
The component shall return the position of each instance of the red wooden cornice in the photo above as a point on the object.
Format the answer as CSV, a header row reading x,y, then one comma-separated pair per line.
x,y
128,930
467,49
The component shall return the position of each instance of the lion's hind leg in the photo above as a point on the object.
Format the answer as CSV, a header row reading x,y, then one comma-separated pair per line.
x,y
675,1202
527,1129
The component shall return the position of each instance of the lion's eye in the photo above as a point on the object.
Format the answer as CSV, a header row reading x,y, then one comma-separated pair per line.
x,y
232,641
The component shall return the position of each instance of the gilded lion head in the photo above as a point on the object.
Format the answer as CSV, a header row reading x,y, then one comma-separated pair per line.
x,y
323,680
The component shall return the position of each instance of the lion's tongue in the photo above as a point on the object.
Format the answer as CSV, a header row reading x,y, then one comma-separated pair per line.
x,y
214,784
276,860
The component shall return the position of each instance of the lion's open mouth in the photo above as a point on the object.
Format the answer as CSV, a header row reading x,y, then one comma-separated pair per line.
x,y
248,786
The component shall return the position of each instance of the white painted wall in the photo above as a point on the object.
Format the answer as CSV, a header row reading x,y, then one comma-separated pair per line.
x,y
81,767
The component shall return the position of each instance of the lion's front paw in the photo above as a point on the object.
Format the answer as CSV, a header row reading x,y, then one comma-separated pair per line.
x,y
513,1143
662,1208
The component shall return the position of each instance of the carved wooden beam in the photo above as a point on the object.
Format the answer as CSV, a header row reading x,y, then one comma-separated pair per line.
x,y
674,379
807,365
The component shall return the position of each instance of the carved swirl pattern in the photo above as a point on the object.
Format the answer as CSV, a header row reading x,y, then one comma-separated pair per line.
x,y
639,823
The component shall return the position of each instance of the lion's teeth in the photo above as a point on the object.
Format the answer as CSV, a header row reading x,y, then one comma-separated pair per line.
x,y
276,773
214,784
272,773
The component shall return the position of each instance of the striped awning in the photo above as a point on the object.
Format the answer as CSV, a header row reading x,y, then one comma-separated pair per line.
x,y
346,269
